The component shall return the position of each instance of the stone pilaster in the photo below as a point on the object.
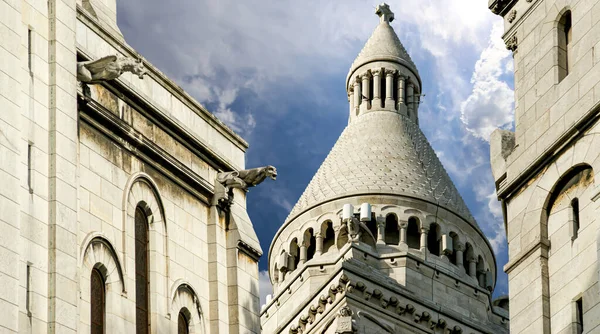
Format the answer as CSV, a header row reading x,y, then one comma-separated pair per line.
x,y
63,174
376,88
389,89
319,246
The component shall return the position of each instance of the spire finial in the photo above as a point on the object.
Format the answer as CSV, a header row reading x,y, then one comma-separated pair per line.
x,y
384,12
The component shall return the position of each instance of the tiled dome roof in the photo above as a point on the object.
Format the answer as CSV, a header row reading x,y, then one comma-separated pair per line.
x,y
383,152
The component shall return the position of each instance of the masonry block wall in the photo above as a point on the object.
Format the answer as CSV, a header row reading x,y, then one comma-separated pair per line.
x,y
77,163
546,178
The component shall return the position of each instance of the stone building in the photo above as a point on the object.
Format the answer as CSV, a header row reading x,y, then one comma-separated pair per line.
x,y
545,170
381,241
120,211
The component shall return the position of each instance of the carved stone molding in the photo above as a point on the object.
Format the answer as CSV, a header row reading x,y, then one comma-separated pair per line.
x,y
512,16
511,43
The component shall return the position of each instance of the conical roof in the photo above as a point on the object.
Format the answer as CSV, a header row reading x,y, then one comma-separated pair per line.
x,y
383,152
383,45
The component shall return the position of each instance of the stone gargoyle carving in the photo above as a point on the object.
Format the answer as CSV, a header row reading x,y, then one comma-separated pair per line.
x,y
108,68
242,179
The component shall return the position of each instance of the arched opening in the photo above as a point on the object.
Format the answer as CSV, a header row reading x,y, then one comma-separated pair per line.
x,y
392,232
455,242
413,237
467,256
328,236
276,274
294,252
183,322
564,45
97,301
372,225
481,271
433,239
142,299
312,244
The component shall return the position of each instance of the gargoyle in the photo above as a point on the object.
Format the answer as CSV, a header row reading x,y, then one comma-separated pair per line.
x,y
242,179
108,68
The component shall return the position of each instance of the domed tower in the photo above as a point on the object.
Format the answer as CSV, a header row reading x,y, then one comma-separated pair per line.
x,y
381,241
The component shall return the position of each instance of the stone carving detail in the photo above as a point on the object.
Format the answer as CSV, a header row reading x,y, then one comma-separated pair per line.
x,y
512,16
511,43
242,179
345,322
108,68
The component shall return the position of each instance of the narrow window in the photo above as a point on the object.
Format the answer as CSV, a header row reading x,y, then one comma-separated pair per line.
x,y
29,49
28,290
97,300
574,218
141,272
294,252
183,326
312,246
564,45
392,232
29,167
372,225
579,316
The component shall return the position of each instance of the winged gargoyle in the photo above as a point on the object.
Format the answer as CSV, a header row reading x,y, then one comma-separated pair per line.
x,y
108,68
242,179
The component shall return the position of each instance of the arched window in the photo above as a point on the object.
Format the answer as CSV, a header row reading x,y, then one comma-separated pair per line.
x,y
183,323
481,271
97,302
141,272
413,237
312,244
564,45
392,232
295,253
433,239
372,225
328,237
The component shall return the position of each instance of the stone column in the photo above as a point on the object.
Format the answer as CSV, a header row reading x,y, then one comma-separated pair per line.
x,y
481,278
410,99
459,248
319,248
472,267
389,89
424,232
351,101
401,97
303,253
403,225
380,231
376,88
366,93
357,95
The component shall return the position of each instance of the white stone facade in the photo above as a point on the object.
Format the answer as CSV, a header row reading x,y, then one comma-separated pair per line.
x,y
546,170
381,241
76,161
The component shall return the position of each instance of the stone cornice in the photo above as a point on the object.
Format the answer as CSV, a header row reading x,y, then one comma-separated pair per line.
x,y
103,120
501,7
118,43
543,244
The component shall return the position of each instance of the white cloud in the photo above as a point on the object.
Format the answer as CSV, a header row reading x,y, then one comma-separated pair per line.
x,y
492,220
490,104
264,286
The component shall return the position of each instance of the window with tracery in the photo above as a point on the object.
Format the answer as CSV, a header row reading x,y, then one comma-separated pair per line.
x,y
183,324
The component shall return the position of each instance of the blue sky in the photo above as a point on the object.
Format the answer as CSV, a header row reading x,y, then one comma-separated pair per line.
x,y
275,72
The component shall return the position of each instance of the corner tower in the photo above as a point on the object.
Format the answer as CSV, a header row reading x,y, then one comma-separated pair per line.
x,y
381,241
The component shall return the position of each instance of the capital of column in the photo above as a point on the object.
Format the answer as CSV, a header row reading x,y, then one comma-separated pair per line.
x,y
424,229
403,223
366,75
459,246
390,72
319,235
376,73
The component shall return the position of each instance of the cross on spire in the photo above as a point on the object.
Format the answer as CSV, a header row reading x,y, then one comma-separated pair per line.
x,y
384,12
